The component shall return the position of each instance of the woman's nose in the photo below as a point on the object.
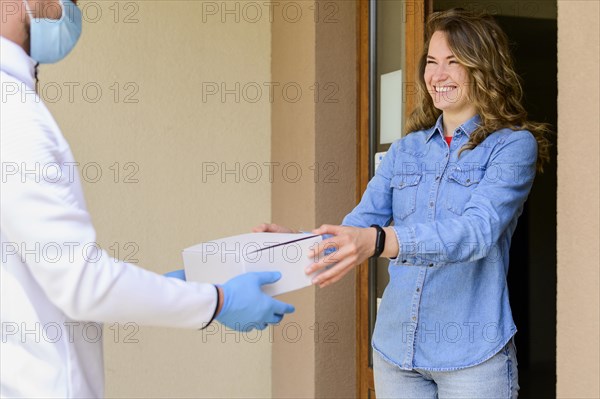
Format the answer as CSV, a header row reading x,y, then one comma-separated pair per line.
x,y
440,73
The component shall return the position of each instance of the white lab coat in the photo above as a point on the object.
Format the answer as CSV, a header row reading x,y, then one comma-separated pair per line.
x,y
52,281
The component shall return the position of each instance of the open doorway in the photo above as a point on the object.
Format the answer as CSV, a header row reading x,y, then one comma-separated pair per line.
x,y
532,31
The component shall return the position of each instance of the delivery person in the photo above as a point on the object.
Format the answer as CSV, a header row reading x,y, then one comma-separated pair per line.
x,y
53,278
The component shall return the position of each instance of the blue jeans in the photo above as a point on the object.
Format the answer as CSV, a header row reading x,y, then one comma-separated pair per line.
x,y
495,378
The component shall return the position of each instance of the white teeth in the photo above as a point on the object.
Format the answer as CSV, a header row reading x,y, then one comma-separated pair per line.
x,y
444,89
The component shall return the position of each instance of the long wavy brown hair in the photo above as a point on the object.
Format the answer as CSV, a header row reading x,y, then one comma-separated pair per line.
x,y
480,45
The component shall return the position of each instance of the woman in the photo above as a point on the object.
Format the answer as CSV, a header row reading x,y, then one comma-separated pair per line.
x,y
454,188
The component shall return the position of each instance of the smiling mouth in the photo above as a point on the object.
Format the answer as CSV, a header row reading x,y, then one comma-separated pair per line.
x,y
443,89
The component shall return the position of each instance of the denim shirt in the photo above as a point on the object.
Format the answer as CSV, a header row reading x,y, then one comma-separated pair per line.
x,y
446,306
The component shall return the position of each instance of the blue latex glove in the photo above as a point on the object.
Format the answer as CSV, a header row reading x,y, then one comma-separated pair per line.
x,y
247,307
180,274
330,249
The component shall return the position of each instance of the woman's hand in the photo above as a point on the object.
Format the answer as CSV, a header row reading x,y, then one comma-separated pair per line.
x,y
272,228
353,245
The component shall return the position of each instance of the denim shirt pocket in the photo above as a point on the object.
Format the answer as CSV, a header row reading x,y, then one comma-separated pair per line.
x,y
404,194
460,184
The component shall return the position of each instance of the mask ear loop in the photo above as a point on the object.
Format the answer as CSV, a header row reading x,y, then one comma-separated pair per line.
x,y
35,75
36,69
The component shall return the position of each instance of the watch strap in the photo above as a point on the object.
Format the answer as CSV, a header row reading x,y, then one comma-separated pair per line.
x,y
379,241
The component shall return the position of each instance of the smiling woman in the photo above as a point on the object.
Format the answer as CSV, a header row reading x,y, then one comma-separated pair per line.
x,y
473,50
454,188
448,82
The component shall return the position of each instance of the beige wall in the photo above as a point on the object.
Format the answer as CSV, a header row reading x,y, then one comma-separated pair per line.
x,y
577,363
156,122
293,137
318,52
167,135
335,148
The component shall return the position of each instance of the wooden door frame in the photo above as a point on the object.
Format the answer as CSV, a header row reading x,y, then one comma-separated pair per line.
x,y
415,37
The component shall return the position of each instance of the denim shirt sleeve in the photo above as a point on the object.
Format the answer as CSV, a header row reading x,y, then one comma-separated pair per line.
x,y
493,205
375,206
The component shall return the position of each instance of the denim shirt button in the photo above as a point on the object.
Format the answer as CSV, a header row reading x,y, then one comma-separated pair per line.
x,y
403,260
414,318
431,265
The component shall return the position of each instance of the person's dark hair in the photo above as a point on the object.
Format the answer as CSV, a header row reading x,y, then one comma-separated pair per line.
x,y
480,45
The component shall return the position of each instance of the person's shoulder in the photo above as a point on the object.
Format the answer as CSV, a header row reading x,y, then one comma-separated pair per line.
x,y
517,145
412,143
18,100
507,136
25,126
12,88
418,135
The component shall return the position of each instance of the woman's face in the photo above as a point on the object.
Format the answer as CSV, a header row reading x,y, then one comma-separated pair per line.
x,y
447,81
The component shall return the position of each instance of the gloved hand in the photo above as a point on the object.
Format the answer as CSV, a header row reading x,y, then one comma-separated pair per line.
x,y
247,307
329,249
180,274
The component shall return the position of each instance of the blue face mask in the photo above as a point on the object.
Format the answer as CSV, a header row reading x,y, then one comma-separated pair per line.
x,y
52,39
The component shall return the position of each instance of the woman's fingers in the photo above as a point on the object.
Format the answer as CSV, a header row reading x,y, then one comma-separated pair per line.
x,y
271,228
328,229
334,274
324,263
325,247
326,260
332,265
352,246
266,228
260,228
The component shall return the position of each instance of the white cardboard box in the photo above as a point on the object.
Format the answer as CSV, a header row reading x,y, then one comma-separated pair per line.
x,y
220,260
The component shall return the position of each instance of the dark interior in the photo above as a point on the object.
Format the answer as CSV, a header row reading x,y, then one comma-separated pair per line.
x,y
532,273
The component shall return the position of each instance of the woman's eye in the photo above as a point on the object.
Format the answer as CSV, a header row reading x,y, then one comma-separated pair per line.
x,y
430,62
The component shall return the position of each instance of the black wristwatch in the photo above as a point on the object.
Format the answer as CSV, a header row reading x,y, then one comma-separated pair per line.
x,y
379,241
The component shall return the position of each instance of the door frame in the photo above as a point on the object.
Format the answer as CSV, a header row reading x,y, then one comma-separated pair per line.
x,y
415,39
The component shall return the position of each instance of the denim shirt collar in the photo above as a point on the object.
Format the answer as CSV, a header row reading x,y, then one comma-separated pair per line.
x,y
467,128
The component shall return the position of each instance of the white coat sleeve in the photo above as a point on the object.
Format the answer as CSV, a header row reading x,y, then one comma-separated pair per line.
x,y
39,216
